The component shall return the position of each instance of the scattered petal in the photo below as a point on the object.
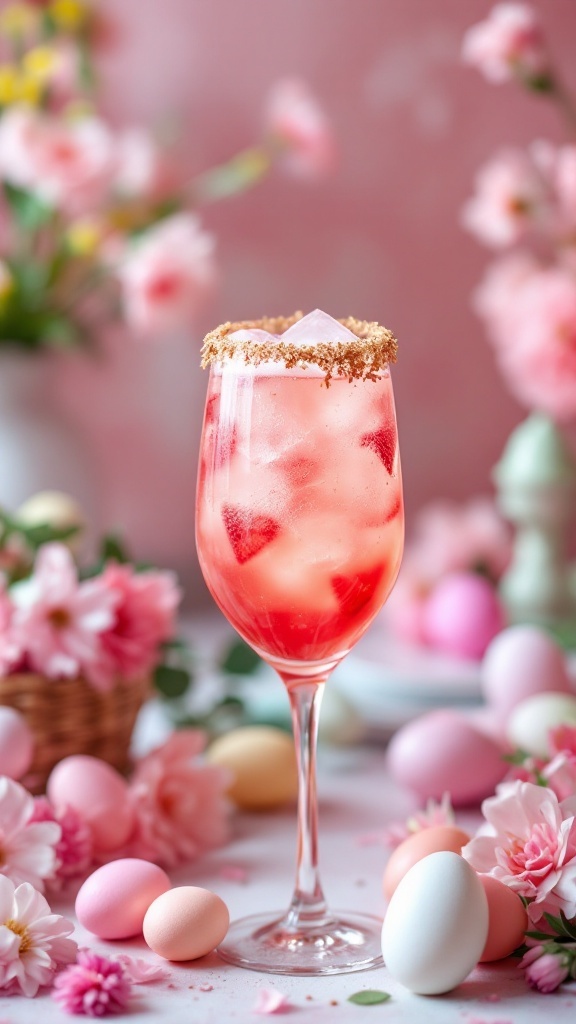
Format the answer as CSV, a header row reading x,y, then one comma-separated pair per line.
x,y
234,873
270,1000
141,971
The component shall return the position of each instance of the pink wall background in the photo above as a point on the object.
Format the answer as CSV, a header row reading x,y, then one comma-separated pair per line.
x,y
380,239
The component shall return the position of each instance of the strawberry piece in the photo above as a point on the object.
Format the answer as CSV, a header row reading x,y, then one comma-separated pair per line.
x,y
354,592
248,531
394,511
383,442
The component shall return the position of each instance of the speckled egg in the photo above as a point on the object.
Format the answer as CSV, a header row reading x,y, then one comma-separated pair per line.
x,y
98,793
186,923
113,900
519,663
262,762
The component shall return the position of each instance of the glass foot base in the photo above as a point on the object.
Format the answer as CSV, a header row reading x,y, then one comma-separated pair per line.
x,y
263,942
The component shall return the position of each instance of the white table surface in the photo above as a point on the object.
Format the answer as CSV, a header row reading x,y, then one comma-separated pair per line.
x,y
357,799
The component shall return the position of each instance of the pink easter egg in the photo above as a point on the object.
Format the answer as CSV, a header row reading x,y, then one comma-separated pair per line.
x,y
98,793
16,743
519,663
113,900
462,615
443,752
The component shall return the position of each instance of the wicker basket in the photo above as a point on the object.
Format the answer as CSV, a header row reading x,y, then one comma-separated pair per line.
x,y
69,716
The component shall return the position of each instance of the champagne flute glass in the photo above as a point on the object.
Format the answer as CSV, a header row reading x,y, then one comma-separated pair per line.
x,y
299,527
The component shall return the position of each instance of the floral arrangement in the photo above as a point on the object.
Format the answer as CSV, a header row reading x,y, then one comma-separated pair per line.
x,y
524,207
101,223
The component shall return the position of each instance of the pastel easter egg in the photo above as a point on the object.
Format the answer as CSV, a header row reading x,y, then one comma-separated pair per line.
x,y
16,743
340,723
186,923
436,924
113,900
519,663
262,762
507,920
530,722
98,793
462,615
417,846
442,752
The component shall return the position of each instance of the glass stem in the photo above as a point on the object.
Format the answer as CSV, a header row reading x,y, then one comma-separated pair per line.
x,y
308,907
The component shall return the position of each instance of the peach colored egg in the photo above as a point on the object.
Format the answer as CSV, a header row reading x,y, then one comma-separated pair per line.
x,y
16,743
113,900
417,846
442,752
521,662
462,615
99,794
507,920
186,923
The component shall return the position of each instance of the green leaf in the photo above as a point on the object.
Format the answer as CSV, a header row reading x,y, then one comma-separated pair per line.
x,y
29,211
516,757
240,660
113,549
369,997
171,682
44,533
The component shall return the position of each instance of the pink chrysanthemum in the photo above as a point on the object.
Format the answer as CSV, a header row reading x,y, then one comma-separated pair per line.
x,y
75,847
93,987
34,942
178,801
27,846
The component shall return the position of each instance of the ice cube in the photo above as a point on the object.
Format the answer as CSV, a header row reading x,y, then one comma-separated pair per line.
x,y
317,327
254,334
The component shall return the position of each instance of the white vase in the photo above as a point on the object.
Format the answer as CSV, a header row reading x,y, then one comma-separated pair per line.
x,y
39,449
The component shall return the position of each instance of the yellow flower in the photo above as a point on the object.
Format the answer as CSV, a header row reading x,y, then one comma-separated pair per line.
x,y
41,62
17,20
16,87
83,237
69,15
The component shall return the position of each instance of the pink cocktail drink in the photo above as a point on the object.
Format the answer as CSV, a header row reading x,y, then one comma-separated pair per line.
x,y
300,516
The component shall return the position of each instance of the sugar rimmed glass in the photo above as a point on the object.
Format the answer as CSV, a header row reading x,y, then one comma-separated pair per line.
x,y
299,528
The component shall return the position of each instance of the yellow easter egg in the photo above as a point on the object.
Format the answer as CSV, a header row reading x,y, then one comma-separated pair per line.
x,y
262,761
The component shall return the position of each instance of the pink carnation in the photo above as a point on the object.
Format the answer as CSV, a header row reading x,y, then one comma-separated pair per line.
x,y
68,164
144,617
544,971
508,44
531,846
166,274
74,849
299,130
93,987
511,198
57,620
178,801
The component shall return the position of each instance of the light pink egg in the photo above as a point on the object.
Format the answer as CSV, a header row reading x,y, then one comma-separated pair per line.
x,y
16,743
113,900
462,615
521,662
442,752
99,794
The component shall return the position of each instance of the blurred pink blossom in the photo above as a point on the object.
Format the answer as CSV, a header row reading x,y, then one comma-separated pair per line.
x,y
562,740
34,942
57,620
140,168
28,846
560,775
93,987
544,971
74,848
10,650
495,299
144,616
447,538
432,815
531,846
178,801
508,44
166,274
511,197
68,164
300,130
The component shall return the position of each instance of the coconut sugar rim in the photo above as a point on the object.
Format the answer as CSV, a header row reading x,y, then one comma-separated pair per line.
x,y
361,358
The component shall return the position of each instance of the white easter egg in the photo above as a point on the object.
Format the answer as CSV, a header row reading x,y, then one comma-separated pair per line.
x,y
532,719
436,924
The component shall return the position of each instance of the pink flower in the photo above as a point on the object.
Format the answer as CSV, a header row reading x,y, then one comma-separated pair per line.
x,y
511,198
562,740
74,849
544,971
299,130
496,299
93,987
68,164
560,775
432,815
508,44
10,650
166,274
140,169
28,847
34,942
531,848
144,617
178,801
58,620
